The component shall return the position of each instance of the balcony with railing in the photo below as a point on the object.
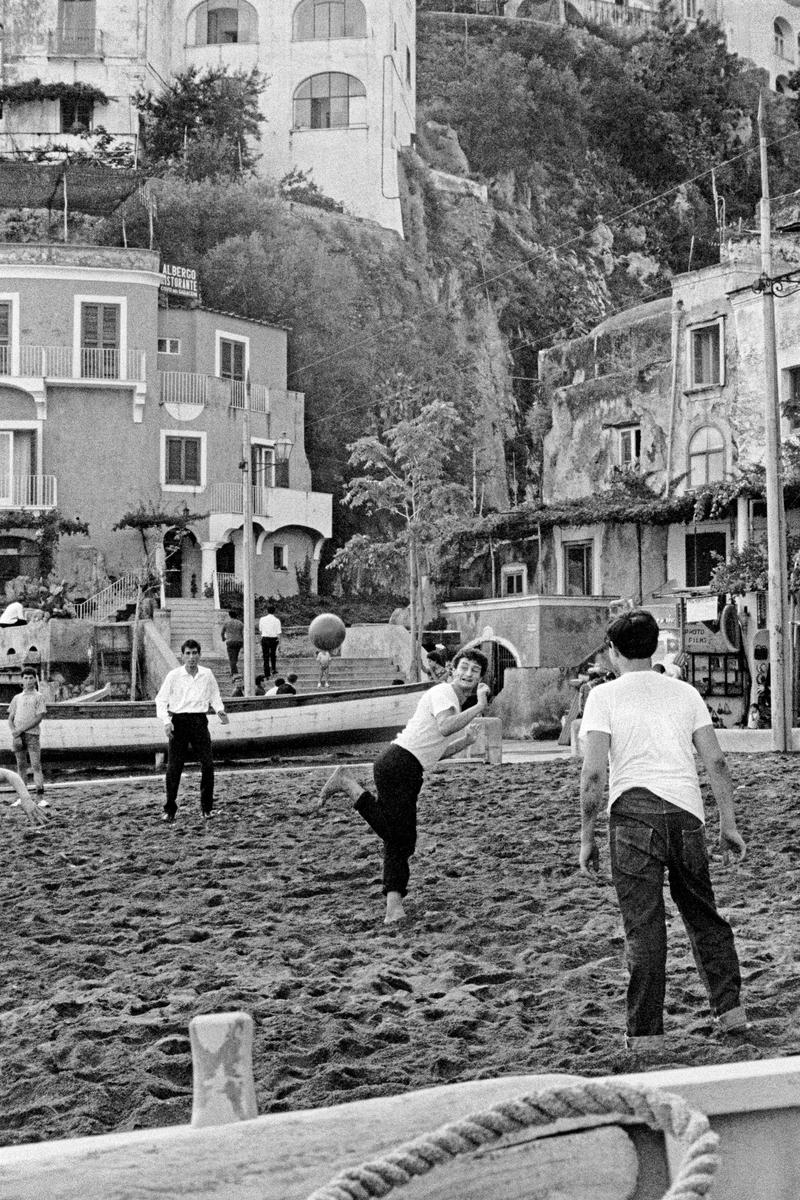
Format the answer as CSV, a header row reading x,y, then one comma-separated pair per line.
x,y
275,507
28,491
184,387
63,363
607,12
84,42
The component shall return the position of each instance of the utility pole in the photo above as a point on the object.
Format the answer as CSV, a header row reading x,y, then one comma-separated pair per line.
x,y
248,604
780,649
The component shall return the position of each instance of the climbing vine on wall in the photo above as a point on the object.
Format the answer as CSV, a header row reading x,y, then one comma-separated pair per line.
x,y
33,90
47,528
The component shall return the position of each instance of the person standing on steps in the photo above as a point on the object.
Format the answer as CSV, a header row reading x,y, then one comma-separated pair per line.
x,y
182,703
647,726
437,730
269,628
232,634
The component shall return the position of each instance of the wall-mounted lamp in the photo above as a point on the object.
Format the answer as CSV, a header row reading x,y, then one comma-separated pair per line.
x,y
283,448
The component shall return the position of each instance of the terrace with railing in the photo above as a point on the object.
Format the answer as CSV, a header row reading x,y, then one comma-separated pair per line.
x,y
61,363
28,491
184,387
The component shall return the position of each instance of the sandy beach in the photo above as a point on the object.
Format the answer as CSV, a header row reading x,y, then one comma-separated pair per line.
x,y
118,930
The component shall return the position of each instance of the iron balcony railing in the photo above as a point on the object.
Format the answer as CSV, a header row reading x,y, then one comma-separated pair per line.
x,y
184,387
75,43
64,362
28,491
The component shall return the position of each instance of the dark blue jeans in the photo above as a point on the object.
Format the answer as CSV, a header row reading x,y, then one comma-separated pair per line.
x,y
393,812
649,835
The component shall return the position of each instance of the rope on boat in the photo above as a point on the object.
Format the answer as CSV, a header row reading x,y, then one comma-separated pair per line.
x,y
658,1110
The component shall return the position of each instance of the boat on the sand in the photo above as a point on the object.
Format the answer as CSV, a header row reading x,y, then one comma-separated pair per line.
x,y
258,724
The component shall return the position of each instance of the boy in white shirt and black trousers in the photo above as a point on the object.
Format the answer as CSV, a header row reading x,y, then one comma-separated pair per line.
x,y
646,727
437,730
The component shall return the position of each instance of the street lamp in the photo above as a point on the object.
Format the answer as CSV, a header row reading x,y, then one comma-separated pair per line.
x,y
283,448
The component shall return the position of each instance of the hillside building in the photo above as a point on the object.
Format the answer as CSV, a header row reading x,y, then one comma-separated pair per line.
x,y
339,103
110,398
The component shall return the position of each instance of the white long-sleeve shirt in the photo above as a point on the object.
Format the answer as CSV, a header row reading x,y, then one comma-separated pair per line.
x,y
184,693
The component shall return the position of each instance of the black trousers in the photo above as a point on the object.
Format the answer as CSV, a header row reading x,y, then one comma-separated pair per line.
x,y
392,813
189,736
648,837
234,649
269,652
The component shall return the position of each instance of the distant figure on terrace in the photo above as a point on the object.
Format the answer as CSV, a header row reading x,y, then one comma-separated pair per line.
x,y
13,614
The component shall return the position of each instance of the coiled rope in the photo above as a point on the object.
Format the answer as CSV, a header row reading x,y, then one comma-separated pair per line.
x,y
658,1110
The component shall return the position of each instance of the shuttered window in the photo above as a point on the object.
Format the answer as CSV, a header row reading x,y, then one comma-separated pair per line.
x,y
5,338
100,334
183,461
231,359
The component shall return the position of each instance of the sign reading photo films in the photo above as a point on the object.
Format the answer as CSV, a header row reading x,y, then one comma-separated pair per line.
x,y
179,281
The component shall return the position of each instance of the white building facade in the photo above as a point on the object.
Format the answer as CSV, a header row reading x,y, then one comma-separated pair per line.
x,y
339,102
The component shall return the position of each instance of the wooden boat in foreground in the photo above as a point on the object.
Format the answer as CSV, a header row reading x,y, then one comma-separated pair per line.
x,y
258,724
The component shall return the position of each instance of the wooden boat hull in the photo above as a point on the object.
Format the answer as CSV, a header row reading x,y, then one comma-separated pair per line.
x,y
257,724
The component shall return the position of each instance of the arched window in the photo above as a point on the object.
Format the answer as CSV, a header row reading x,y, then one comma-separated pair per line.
x,y
222,22
706,456
782,38
326,19
331,100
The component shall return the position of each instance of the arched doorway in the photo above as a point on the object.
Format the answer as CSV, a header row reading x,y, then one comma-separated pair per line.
x,y
182,564
502,656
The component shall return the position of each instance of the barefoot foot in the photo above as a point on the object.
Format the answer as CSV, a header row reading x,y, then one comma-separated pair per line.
x,y
339,781
394,908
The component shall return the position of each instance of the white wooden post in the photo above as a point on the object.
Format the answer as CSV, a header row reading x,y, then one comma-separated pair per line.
x,y
222,1062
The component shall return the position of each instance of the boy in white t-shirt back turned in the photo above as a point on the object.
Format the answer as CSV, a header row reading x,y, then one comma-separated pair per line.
x,y
642,729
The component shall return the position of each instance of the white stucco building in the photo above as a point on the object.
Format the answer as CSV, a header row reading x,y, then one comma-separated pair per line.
x,y
340,99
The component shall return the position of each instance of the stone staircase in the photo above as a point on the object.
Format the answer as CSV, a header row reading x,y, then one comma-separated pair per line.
x,y
199,619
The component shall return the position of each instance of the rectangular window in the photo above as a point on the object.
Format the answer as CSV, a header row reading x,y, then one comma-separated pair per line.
x,y
5,338
263,466
17,467
578,568
690,9
231,358
280,558
630,446
76,27
705,355
77,114
169,345
182,461
100,340
408,66
700,561
514,583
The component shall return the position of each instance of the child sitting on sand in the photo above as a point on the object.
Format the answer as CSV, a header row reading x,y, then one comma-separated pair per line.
x,y
429,736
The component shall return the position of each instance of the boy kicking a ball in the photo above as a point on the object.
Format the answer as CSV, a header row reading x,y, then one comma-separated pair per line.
x,y
437,730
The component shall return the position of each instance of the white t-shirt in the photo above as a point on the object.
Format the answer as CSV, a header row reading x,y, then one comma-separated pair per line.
x,y
421,736
269,626
651,719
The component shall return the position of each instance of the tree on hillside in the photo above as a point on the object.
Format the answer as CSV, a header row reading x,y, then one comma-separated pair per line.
x,y
204,124
406,486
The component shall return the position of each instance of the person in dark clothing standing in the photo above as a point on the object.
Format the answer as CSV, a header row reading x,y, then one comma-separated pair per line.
x,y
232,633
182,703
